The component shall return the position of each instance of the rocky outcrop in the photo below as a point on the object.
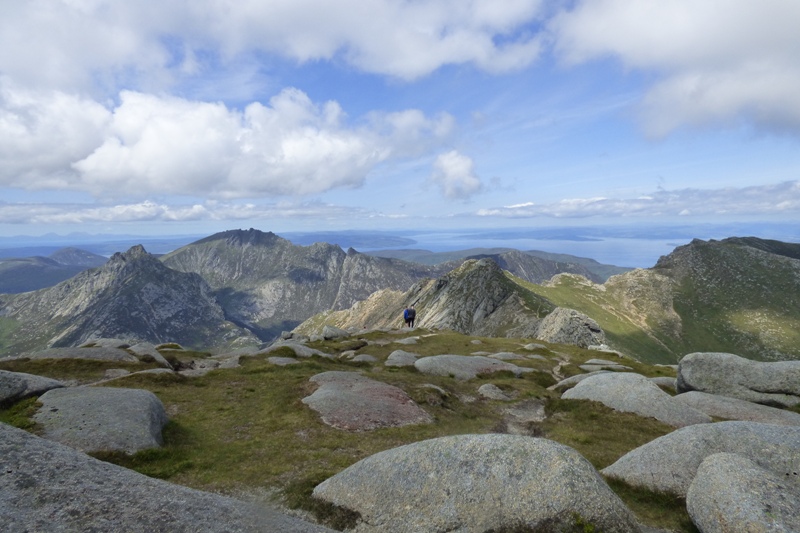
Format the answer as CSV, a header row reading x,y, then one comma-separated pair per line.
x,y
567,326
90,354
735,409
352,402
401,358
733,493
133,297
477,298
669,463
634,393
464,367
94,419
16,386
46,486
477,483
730,375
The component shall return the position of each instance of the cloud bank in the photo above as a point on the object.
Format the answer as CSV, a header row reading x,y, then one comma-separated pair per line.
x,y
765,200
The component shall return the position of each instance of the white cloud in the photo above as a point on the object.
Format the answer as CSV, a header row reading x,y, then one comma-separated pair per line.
x,y
763,200
149,211
146,44
161,145
453,173
715,61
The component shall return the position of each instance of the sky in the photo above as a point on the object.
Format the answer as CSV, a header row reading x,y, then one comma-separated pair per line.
x,y
197,116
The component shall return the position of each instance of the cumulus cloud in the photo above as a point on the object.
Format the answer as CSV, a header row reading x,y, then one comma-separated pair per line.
x,y
715,61
149,42
453,173
774,199
150,145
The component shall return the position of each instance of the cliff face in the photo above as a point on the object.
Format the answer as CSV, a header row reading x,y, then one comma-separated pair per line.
x,y
267,284
132,297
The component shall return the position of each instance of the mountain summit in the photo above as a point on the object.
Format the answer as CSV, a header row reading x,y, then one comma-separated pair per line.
x,y
133,297
267,284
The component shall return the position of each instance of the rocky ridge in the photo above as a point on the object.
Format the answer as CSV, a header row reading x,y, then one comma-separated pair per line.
x,y
133,297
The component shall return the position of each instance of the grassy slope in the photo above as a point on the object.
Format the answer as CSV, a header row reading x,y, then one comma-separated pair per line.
x,y
245,430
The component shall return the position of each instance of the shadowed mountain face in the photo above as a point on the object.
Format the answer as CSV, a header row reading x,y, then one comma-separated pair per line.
x,y
132,297
268,284
32,273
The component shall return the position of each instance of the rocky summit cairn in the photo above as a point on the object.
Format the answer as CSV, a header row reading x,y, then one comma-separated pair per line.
x,y
730,375
350,401
733,493
477,483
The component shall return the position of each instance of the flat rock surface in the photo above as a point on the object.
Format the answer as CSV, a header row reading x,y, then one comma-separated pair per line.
x,y
464,367
669,463
95,354
735,409
476,483
492,392
350,401
102,418
401,358
732,493
300,350
16,386
45,486
634,393
730,375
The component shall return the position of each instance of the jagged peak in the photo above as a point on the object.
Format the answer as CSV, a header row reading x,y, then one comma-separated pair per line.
x,y
242,237
133,253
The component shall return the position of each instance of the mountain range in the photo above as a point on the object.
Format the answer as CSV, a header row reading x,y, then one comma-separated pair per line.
x,y
243,287
36,272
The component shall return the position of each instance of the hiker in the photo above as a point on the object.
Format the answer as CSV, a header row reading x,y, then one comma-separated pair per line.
x,y
412,315
405,316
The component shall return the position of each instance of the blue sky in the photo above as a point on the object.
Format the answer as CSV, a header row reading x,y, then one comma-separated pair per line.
x,y
178,116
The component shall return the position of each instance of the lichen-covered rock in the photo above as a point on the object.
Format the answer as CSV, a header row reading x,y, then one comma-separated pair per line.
x,y
93,354
477,483
45,486
732,493
669,463
568,326
735,409
401,358
727,374
331,332
16,386
465,367
94,419
634,393
350,401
